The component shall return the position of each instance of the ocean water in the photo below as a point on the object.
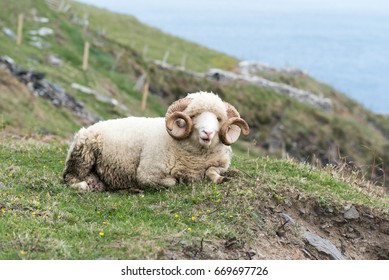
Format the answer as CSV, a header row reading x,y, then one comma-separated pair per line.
x,y
344,47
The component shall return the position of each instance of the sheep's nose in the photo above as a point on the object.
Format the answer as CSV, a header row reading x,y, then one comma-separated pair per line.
x,y
208,133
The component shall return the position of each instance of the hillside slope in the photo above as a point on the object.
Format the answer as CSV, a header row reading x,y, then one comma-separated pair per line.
x,y
266,211
182,222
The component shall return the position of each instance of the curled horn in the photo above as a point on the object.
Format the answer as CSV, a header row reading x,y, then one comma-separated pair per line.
x,y
233,126
178,124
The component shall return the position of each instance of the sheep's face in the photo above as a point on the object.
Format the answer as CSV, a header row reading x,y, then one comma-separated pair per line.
x,y
206,119
206,128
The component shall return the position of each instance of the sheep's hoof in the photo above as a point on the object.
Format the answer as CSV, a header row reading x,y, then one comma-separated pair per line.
x,y
222,179
94,184
82,186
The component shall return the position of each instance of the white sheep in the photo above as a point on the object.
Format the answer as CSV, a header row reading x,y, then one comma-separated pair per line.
x,y
191,143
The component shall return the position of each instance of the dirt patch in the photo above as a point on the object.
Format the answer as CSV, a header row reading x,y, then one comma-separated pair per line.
x,y
278,233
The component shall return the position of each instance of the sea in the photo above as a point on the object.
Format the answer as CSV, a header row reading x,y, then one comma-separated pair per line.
x,y
346,48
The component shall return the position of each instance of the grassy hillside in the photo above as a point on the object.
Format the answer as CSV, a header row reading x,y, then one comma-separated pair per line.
x,y
43,219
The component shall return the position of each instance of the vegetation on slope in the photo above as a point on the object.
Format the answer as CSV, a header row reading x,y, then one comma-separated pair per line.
x,y
43,219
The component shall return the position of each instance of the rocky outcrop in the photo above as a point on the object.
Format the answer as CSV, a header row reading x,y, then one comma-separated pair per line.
x,y
39,86
248,72
303,96
254,68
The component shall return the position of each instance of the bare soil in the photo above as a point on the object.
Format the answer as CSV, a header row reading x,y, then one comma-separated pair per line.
x,y
278,234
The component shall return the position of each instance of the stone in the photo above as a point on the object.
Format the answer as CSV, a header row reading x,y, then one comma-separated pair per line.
x,y
54,60
83,89
323,245
43,31
39,86
351,214
8,32
300,95
288,219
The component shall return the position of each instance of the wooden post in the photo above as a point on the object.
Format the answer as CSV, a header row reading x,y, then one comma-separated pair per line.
x,y
20,29
145,50
86,57
165,57
145,94
183,61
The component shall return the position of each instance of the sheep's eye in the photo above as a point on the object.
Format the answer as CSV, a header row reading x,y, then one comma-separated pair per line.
x,y
219,119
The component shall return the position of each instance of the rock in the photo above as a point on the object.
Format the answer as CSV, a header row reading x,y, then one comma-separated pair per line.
x,y
43,32
41,19
83,89
140,82
351,214
54,60
100,97
300,95
8,32
40,44
37,84
288,203
323,245
288,219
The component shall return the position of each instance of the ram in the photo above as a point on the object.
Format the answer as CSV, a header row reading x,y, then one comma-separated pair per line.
x,y
191,143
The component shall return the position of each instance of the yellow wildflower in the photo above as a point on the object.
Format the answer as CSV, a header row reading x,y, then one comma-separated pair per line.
x,y
101,234
193,218
189,229
23,252
176,216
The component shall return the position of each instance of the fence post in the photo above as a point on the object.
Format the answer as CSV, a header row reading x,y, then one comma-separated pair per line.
x,y
86,57
165,58
183,61
145,94
145,50
20,29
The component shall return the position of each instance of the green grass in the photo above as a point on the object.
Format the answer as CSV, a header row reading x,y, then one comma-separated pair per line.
x,y
139,36
43,219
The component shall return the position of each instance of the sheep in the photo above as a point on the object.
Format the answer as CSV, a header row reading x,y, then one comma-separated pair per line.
x,y
191,143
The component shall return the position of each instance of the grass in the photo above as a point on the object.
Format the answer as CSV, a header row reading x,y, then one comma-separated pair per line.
x,y
140,36
43,219
40,218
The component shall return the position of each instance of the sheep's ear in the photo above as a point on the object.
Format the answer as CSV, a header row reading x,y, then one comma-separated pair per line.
x,y
231,129
231,111
233,133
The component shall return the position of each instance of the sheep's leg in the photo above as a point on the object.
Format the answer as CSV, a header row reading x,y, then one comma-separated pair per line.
x,y
156,181
158,178
168,182
213,173
79,162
